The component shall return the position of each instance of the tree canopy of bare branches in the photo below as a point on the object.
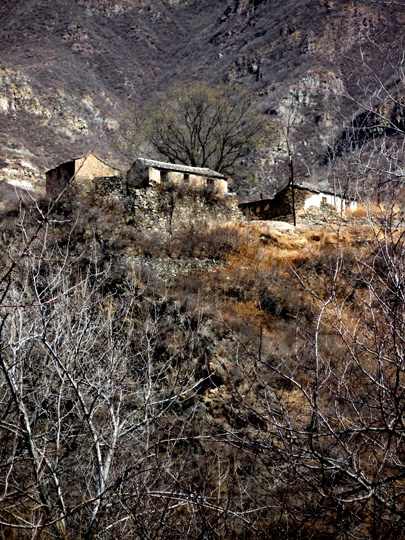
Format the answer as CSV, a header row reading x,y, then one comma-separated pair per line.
x,y
201,126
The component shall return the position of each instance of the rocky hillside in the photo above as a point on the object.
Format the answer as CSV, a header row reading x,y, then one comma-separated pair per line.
x,y
68,69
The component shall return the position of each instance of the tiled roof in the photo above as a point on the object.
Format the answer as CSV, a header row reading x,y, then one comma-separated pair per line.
x,y
256,197
180,168
315,189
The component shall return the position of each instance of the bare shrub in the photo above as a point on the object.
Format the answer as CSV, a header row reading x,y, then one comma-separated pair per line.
x,y
213,242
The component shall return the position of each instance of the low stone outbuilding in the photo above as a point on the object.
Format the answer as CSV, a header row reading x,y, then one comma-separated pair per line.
x,y
149,172
279,206
82,168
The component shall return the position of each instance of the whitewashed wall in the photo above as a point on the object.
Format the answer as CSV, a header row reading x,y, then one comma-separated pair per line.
x,y
339,203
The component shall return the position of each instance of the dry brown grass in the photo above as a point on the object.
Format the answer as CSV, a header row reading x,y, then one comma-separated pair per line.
x,y
272,317
359,212
259,279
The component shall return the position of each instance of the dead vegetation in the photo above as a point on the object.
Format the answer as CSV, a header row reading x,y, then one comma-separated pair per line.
x,y
263,392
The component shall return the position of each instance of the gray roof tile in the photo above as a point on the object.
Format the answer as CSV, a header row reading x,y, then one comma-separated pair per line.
x,y
180,168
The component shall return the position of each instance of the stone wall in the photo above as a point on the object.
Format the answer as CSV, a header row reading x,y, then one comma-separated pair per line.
x,y
339,203
136,178
280,208
154,176
219,185
172,176
169,210
196,181
57,179
165,208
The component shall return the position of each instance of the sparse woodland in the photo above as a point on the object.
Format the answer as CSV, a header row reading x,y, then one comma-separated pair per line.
x,y
262,399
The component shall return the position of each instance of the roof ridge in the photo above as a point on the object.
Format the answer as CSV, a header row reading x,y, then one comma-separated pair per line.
x,y
180,167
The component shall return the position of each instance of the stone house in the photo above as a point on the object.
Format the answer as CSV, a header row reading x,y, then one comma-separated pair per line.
x,y
82,168
148,172
278,205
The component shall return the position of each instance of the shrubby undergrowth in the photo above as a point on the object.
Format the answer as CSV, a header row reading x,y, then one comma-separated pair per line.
x,y
262,398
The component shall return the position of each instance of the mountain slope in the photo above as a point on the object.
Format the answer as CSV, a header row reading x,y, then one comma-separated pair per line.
x,y
69,69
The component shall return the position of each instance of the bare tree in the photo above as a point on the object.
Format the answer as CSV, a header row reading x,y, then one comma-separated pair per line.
x,y
287,127
367,158
83,391
200,126
327,423
102,424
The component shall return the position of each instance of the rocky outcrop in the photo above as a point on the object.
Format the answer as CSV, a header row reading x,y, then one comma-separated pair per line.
x,y
69,69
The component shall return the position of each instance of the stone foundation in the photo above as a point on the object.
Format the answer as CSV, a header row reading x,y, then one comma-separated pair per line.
x,y
164,208
170,210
